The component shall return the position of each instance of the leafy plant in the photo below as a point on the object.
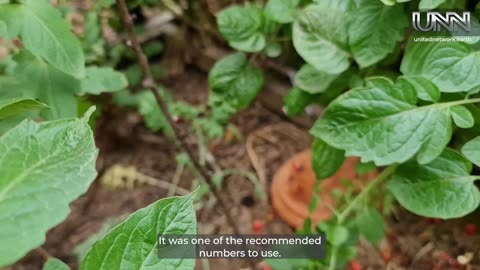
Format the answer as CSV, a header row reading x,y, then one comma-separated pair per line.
x,y
402,118
45,165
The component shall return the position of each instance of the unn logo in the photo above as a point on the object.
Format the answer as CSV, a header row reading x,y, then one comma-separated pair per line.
x,y
435,21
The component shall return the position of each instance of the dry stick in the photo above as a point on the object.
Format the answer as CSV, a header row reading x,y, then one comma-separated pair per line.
x,y
150,83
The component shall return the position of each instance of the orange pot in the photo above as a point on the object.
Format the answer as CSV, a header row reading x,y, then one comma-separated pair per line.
x,y
293,185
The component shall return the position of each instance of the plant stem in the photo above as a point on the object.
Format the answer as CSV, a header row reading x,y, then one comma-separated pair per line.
x,y
372,184
354,203
149,82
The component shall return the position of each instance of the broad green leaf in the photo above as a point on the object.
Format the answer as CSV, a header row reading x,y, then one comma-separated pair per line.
x,y
49,85
326,160
462,117
471,150
134,241
282,11
45,34
254,43
426,90
242,27
312,80
55,264
320,36
12,107
296,101
236,79
430,4
374,30
442,188
381,123
43,167
369,223
102,79
451,66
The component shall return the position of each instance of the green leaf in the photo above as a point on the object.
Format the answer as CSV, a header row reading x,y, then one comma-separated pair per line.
x,y
451,66
45,34
441,189
55,264
337,234
462,117
369,223
430,4
102,79
273,49
235,79
282,11
381,123
49,85
312,80
326,160
153,116
363,168
426,90
242,27
374,30
471,150
44,167
134,241
254,43
12,107
296,101
320,36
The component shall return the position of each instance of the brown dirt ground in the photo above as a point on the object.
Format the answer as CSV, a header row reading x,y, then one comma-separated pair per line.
x,y
412,242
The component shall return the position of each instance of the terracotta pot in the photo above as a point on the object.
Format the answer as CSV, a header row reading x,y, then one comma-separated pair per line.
x,y
293,185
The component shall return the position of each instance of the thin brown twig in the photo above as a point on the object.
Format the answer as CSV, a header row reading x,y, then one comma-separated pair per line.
x,y
150,83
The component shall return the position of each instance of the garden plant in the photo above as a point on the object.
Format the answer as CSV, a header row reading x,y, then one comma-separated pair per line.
x,y
406,108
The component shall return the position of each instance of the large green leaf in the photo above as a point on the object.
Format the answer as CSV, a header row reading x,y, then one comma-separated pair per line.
x,y
12,107
452,66
374,30
43,167
236,80
326,160
443,188
381,123
47,84
133,243
320,36
471,150
55,264
102,79
242,27
312,80
282,11
45,34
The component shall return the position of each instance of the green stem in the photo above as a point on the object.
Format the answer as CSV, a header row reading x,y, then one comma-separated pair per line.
x,y
371,185
333,259
354,203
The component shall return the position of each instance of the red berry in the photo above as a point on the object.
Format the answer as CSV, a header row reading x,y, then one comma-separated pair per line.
x,y
470,229
355,265
258,226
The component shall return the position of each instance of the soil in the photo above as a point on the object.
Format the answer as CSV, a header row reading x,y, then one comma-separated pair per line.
x,y
412,242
